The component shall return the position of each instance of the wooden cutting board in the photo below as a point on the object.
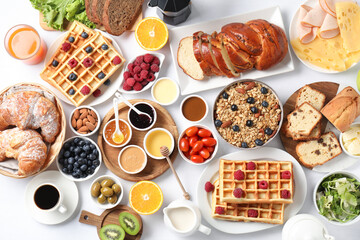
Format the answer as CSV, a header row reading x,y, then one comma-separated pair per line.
x,y
110,216
154,167
330,90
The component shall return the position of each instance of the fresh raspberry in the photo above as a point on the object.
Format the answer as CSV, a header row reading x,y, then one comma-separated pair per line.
x,y
238,192
145,66
137,86
239,175
148,58
151,77
250,166
97,93
263,184
139,60
154,68
126,75
65,46
88,62
219,210
137,77
209,187
127,87
116,60
137,69
73,63
286,175
156,61
252,213
144,83
131,67
143,74
130,81
285,194
85,90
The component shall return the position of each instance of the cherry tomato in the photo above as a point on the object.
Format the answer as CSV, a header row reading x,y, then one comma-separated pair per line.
x,y
209,142
198,146
184,145
191,131
204,133
204,153
210,149
192,152
193,140
197,159
187,155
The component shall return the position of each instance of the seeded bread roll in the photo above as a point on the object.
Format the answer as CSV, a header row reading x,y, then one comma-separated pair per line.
x,y
318,152
312,96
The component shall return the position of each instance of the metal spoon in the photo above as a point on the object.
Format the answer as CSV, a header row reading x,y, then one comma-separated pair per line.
x,y
165,152
138,112
118,137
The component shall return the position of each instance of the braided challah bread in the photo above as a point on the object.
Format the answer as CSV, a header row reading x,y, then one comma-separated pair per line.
x,y
237,48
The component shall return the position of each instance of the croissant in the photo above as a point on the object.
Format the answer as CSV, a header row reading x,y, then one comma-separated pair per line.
x,y
30,110
26,146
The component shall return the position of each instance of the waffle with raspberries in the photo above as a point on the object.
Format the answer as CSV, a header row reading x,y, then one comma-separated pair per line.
x,y
247,212
256,181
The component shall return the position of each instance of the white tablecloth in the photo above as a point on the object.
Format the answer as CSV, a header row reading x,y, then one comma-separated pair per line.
x,y
16,223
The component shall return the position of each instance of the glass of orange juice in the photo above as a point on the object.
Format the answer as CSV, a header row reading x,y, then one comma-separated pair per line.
x,y
23,42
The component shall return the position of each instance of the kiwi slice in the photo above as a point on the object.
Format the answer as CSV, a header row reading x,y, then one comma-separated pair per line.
x,y
129,223
111,232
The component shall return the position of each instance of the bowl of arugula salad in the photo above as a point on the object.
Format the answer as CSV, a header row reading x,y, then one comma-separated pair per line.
x,y
337,198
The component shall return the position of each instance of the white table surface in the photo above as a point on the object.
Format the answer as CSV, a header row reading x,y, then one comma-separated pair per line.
x,y
15,221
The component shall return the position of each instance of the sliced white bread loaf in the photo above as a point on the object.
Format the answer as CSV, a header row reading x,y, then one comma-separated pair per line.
x,y
187,60
314,97
318,152
303,120
315,134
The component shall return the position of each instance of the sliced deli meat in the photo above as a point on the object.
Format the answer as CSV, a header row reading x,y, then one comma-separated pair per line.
x,y
314,18
329,28
328,6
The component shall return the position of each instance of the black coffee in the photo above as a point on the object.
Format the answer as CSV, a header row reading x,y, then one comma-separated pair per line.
x,y
46,197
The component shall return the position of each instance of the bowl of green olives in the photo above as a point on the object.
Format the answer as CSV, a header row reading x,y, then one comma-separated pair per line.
x,y
106,191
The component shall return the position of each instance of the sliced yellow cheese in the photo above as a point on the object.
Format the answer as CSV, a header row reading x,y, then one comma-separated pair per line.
x,y
348,18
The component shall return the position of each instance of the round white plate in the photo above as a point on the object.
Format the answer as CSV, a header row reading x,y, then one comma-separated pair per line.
x,y
68,188
293,35
211,173
106,91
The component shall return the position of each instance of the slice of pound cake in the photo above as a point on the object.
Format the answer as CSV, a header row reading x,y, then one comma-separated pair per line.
x,y
312,96
303,120
318,152
315,134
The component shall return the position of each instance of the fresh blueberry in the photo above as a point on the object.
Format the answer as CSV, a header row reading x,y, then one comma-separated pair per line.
x,y
71,160
67,154
234,107
83,167
104,47
88,49
244,145
249,123
218,123
55,63
86,148
64,170
268,131
72,77
78,172
93,167
107,82
101,75
254,109
84,35
250,100
76,157
71,39
75,175
259,142
77,150
71,91
76,165
264,90
225,95
70,167
90,171
89,163
83,155
75,169
92,156
96,163
77,140
265,104
236,128
66,162
95,152
92,146
71,149
81,143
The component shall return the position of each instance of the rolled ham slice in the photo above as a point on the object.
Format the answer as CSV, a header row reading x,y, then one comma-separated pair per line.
x,y
308,38
328,6
315,17
305,33
329,28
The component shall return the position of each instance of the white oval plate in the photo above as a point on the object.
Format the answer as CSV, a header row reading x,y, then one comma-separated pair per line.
x,y
106,91
211,173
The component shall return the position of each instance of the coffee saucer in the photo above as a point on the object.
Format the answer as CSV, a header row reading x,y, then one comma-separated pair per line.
x,y
68,189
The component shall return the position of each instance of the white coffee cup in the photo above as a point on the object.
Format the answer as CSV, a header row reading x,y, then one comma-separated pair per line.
x,y
48,198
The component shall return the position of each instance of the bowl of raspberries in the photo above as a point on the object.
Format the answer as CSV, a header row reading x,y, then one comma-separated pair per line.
x,y
141,72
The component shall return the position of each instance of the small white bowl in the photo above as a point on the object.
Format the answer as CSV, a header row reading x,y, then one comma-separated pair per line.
x,y
349,174
142,167
154,118
121,145
177,91
70,177
90,133
206,105
212,154
161,129
342,144
107,205
158,55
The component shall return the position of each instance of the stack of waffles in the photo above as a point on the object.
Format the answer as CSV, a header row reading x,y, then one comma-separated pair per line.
x,y
253,191
82,63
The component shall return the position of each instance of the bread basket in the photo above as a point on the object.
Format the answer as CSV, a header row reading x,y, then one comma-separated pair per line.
x,y
54,148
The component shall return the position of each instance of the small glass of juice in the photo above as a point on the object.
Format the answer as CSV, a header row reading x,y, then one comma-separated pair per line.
x,y
23,42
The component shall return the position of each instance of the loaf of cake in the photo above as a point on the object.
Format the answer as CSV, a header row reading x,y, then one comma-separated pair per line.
x,y
312,96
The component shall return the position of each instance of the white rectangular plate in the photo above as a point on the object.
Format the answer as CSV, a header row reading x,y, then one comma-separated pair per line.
x,y
189,85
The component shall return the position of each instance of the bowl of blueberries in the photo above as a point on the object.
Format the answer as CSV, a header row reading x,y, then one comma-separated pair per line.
x,y
79,159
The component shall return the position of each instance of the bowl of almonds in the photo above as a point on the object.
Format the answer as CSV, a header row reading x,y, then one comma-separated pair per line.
x,y
84,121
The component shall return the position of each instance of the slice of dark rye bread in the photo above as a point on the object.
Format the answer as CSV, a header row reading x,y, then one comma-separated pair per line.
x,y
119,14
97,10
88,9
